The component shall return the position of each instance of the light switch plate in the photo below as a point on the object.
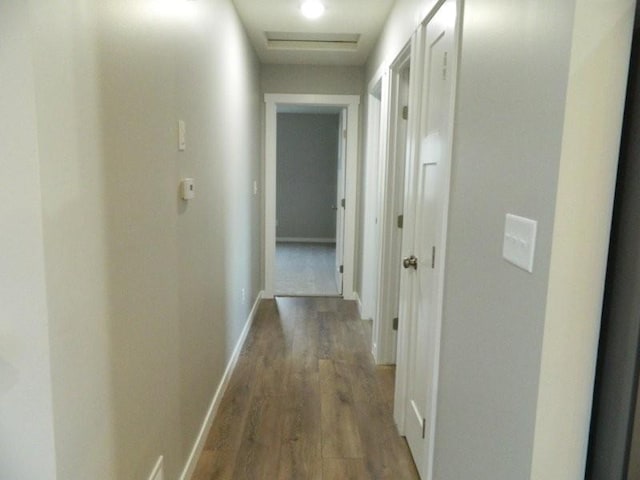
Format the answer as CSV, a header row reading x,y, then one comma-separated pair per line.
x,y
520,241
182,136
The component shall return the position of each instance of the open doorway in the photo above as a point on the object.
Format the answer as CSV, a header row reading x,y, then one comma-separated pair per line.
x,y
391,187
299,253
309,188
375,144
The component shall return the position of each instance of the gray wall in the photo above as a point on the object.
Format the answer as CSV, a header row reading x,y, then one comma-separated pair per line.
x,y
494,313
307,162
144,291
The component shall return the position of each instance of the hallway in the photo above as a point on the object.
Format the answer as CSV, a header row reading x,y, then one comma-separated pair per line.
x,y
134,185
306,401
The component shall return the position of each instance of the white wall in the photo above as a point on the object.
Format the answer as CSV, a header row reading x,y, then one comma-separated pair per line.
x,y
326,80
404,18
26,418
144,291
72,165
519,91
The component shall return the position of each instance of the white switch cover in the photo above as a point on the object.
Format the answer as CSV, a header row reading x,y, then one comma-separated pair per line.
x,y
520,241
182,136
187,188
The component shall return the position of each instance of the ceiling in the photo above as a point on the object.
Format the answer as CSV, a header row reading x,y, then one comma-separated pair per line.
x,y
344,35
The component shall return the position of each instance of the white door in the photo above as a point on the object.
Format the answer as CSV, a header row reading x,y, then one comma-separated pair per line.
x,y
428,198
340,199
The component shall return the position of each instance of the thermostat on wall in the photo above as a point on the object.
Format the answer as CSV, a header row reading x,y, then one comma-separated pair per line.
x,y
187,188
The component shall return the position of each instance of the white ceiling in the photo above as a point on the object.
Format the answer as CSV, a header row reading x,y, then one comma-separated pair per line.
x,y
363,17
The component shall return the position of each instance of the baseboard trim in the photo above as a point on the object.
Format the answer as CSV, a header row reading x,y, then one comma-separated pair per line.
x,y
198,446
359,303
305,240
158,470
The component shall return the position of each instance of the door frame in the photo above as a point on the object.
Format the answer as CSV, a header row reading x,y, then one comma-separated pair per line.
x,y
388,284
349,102
405,307
407,303
375,140
340,194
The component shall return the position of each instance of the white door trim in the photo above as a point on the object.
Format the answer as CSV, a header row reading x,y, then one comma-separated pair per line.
x,y
388,284
351,103
402,360
375,141
340,195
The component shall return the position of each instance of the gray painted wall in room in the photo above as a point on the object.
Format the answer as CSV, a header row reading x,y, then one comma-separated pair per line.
x,y
307,153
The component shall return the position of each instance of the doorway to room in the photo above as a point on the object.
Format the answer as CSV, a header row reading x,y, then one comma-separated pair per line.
x,y
309,192
311,153
391,193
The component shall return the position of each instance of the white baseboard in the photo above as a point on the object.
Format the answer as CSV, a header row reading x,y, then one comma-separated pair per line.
x,y
359,302
305,240
158,470
217,398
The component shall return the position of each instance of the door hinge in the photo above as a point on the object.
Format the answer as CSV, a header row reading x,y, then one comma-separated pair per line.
x,y
405,112
341,268
400,221
395,323
444,67
424,427
342,203
433,257
344,134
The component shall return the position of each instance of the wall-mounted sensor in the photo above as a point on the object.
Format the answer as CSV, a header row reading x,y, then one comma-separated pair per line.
x,y
187,189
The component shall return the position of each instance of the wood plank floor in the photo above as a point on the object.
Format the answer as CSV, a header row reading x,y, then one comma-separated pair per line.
x,y
306,401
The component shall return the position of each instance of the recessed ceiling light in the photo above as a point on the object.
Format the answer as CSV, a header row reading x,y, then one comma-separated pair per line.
x,y
312,9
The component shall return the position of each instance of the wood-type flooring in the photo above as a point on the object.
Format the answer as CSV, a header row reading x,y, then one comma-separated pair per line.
x,y
306,401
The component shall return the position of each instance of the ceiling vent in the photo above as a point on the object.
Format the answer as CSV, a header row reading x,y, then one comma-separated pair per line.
x,y
312,41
